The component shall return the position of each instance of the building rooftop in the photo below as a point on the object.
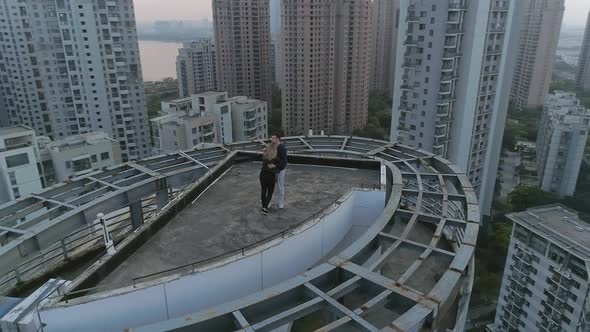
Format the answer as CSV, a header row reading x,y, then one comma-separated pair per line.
x,y
396,257
226,217
558,224
14,130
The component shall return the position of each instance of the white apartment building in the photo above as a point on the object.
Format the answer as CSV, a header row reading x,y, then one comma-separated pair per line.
x,y
213,117
19,174
72,67
545,283
77,155
455,63
196,67
562,137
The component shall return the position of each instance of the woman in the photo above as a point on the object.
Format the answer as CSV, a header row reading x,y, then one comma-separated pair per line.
x,y
268,176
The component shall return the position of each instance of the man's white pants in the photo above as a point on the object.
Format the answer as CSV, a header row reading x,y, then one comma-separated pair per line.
x,y
281,189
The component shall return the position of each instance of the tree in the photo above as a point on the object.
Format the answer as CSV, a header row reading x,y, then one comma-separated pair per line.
x,y
523,197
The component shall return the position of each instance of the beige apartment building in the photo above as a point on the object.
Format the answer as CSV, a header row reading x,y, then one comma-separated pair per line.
x,y
242,48
385,24
326,65
540,30
583,76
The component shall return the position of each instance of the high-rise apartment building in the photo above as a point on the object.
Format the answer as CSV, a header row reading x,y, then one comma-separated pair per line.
x,y
541,25
72,67
561,141
326,53
242,44
196,67
452,82
385,23
583,75
545,283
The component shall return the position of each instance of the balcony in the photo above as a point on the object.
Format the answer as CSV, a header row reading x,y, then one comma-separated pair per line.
x,y
412,42
457,7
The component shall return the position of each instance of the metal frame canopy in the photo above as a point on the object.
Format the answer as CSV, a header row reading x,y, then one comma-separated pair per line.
x,y
431,211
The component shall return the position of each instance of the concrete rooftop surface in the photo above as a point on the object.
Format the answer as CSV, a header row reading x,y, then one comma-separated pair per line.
x,y
226,217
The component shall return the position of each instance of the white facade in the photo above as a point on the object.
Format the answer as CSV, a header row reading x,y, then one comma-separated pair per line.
x,y
561,141
545,283
211,117
196,67
80,154
72,67
452,82
19,175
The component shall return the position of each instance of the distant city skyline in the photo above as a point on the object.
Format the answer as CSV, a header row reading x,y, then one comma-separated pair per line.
x,y
576,11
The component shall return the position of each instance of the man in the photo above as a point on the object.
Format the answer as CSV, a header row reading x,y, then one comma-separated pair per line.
x,y
280,170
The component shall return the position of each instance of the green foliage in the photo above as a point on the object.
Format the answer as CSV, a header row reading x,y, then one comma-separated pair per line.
x,y
521,124
523,197
379,122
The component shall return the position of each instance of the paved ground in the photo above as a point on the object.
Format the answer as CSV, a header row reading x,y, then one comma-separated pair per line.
x,y
227,217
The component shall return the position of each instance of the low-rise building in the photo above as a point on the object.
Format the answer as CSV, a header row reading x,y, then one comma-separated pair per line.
x,y
78,155
19,173
545,284
561,141
212,117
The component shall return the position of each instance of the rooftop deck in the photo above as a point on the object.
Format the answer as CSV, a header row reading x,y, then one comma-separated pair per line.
x,y
226,217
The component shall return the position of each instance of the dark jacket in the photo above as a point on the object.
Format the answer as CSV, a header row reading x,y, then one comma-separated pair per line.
x,y
282,157
265,169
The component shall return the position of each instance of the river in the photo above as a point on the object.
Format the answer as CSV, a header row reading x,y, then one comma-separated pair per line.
x,y
158,59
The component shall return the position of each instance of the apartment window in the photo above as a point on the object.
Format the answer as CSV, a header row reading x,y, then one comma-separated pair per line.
x,y
94,158
194,130
12,177
17,160
104,156
16,193
68,164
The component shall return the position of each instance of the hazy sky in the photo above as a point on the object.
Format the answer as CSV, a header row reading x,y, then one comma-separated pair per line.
x,y
576,11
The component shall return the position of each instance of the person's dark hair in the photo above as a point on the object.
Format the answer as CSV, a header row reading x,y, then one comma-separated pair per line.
x,y
277,135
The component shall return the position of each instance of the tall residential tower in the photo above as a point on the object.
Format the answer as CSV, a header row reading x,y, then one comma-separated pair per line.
x,y
242,43
196,68
72,67
541,25
452,82
385,25
326,55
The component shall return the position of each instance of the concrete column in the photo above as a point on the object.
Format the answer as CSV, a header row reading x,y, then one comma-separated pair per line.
x,y
136,213
162,196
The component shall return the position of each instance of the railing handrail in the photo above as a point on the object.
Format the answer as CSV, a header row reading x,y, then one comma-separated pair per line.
x,y
195,264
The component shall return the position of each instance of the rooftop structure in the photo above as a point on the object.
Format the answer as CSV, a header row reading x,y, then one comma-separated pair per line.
x,y
561,141
545,282
375,236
